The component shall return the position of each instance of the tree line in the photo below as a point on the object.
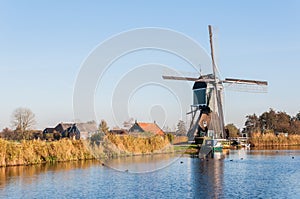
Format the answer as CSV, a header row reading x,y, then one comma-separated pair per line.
x,y
22,124
23,120
272,122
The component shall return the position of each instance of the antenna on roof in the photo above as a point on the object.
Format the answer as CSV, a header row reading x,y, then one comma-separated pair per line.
x,y
200,70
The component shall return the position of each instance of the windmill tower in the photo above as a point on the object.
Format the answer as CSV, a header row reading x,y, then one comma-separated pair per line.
x,y
207,108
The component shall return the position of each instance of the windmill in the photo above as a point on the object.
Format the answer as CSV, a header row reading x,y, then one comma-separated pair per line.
x,y
207,123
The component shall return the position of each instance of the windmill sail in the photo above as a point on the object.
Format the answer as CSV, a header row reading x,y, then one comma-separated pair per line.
x,y
243,81
180,78
217,116
244,85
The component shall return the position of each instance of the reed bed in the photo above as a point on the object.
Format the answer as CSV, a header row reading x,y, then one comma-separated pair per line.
x,y
137,145
270,139
36,151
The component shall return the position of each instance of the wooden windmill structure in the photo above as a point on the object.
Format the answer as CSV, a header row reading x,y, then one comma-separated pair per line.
x,y
207,109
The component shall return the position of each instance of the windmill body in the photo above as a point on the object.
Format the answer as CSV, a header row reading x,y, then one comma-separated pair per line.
x,y
205,109
207,118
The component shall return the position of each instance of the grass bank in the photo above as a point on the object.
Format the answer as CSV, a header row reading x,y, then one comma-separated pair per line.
x,y
191,149
128,145
36,152
271,140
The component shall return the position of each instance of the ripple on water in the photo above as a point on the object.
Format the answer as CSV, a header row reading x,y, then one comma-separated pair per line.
x,y
251,174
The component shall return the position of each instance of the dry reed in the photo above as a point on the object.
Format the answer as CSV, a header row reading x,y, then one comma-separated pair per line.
x,y
270,139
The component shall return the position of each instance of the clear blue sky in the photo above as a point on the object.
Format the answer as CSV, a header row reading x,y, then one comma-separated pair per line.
x,y
43,45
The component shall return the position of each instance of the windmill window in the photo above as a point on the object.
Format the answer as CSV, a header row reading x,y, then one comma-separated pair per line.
x,y
200,96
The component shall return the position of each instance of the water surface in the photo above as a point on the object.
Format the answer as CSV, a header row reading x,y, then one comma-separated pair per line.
x,y
241,174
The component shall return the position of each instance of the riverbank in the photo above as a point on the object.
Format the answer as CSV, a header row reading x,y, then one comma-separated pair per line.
x,y
129,145
37,151
271,140
190,149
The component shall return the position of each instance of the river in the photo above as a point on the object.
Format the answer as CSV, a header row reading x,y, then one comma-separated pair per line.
x,y
240,174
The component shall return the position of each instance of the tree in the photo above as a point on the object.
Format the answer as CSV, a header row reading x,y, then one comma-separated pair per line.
x,y
97,138
17,134
103,127
23,119
181,130
7,134
268,120
252,124
283,122
295,127
273,121
233,130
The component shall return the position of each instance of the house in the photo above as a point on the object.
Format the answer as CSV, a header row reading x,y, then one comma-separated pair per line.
x,y
140,127
87,129
78,130
37,134
62,128
48,133
48,130
74,130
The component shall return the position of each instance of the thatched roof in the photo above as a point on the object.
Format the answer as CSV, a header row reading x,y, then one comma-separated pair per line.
x,y
87,127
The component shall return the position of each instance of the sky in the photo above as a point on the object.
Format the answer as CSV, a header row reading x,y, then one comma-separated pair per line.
x,y
44,45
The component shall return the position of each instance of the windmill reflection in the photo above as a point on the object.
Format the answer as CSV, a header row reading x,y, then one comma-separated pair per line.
x,y
207,176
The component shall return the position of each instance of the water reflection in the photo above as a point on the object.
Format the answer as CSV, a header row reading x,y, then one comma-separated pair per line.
x,y
207,178
242,174
142,164
30,174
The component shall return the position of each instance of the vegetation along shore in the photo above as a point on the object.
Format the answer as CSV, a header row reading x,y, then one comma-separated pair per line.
x,y
72,142
272,140
28,152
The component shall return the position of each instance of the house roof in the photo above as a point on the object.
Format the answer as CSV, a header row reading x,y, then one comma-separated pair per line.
x,y
87,127
82,127
65,126
48,130
150,127
119,131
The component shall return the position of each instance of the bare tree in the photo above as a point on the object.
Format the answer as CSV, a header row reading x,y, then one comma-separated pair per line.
x,y
23,119
103,128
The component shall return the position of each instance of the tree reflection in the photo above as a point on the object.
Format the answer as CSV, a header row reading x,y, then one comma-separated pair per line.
x,y
30,173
